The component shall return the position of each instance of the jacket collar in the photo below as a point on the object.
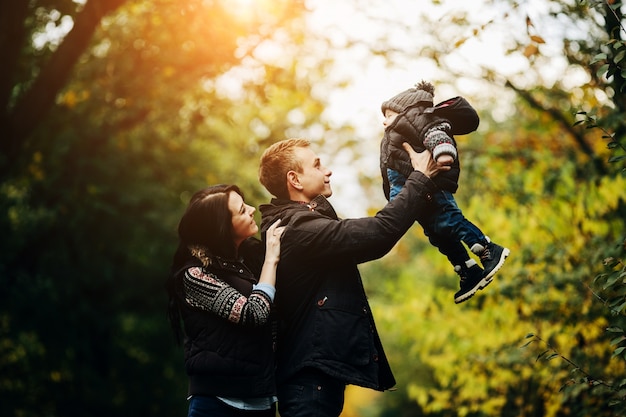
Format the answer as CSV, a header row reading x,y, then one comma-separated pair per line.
x,y
208,260
319,204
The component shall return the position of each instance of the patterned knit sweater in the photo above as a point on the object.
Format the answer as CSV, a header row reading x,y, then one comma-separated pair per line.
x,y
229,331
206,291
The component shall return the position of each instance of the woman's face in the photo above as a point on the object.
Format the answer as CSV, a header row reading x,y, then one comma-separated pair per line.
x,y
242,214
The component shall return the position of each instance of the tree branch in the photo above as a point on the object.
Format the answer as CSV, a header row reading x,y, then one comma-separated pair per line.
x,y
39,98
12,16
567,126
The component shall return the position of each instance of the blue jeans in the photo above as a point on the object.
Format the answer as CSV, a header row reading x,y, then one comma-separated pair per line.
x,y
444,225
311,393
200,406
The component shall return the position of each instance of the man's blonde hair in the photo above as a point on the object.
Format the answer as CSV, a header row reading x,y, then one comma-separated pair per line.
x,y
276,162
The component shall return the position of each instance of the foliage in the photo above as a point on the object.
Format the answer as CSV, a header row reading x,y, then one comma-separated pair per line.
x,y
467,357
545,188
109,127
92,186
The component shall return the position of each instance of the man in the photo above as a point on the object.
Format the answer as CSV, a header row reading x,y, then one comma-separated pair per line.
x,y
327,337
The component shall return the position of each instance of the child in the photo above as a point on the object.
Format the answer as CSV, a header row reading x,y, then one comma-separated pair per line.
x,y
411,117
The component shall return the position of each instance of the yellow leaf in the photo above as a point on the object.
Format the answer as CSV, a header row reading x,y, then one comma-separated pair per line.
x,y
530,50
459,42
69,99
537,39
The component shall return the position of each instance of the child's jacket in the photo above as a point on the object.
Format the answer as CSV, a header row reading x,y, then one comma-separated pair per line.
x,y
411,126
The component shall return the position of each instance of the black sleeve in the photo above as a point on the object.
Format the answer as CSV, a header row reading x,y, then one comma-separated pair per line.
x,y
321,238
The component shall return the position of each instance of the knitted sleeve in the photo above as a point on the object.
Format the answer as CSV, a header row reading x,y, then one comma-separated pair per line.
x,y
438,140
207,292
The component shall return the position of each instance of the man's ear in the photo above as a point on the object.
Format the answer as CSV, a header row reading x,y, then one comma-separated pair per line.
x,y
293,180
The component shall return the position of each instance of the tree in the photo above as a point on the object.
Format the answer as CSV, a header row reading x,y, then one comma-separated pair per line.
x,y
108,129
28,88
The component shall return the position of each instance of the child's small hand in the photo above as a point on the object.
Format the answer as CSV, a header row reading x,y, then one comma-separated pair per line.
x,y
445,160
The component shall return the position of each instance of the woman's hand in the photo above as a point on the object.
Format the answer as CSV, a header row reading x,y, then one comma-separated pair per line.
x,y
272,254
272,242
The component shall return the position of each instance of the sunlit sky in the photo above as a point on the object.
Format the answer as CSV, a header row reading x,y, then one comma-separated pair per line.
x,y
373,81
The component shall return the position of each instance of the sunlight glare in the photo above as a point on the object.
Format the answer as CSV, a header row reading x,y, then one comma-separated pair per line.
x,y
242,3
246,11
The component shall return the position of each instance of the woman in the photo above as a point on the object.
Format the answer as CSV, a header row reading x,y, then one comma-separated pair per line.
x,y
225,309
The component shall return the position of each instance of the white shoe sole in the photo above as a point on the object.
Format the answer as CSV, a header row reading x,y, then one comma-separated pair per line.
x,y
503,256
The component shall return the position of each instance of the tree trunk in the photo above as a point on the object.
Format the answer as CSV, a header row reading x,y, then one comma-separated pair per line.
x,y
20,120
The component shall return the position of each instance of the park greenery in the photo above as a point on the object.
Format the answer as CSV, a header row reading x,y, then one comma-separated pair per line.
x,y
115,111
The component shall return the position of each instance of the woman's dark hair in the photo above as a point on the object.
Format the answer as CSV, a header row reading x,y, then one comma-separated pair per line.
x,y
207,222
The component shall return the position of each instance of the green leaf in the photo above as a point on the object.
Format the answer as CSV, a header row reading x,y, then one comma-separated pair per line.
x,y
613,278
602,70
542,354
618,351
597,58
617,340
614,329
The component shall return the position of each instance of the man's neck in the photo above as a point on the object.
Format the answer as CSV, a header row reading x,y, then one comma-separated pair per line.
x,y
299,197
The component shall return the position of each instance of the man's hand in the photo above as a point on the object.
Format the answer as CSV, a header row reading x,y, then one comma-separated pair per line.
x,y
424,162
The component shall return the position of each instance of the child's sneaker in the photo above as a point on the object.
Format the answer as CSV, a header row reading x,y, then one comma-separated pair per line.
x,y
471,281
491,256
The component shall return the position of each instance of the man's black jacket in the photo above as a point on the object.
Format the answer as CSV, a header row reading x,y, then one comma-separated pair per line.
x,y
325,318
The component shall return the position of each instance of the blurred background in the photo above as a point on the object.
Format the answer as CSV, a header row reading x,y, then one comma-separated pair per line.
x,y
115,111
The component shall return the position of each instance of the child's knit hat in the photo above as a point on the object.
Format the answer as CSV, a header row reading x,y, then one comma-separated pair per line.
x,y
423,92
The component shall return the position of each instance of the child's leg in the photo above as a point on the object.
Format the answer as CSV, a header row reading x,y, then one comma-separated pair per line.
x,y
470,274
396,182
456,226
451,248
446,227
452,223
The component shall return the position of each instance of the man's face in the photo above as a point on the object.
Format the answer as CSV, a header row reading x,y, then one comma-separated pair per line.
x,y
314,178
